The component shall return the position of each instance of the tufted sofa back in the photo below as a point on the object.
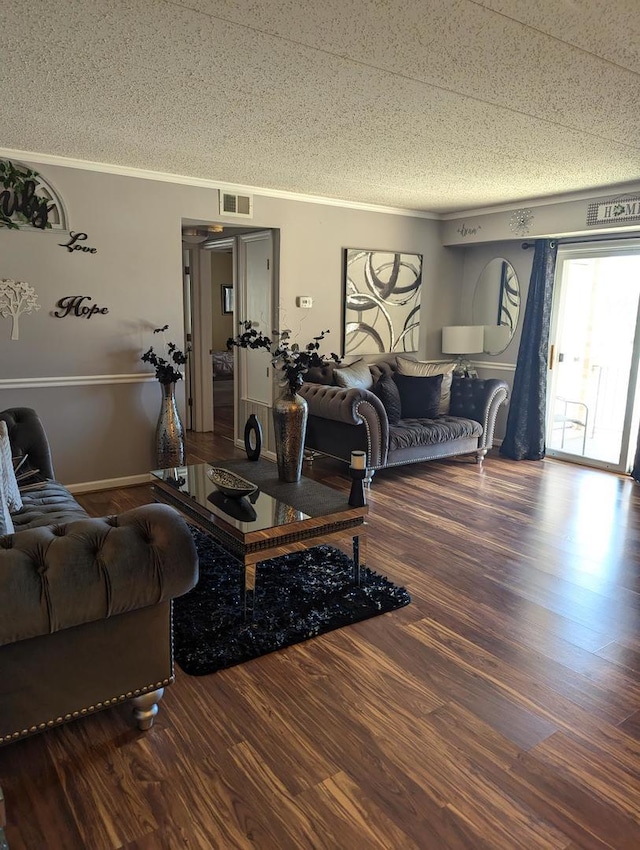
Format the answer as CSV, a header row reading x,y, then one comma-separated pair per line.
x,y
324,374
27,437
468,398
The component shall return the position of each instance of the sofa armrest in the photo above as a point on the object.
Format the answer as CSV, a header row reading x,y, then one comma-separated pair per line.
x,y
59,576
479,399
352,407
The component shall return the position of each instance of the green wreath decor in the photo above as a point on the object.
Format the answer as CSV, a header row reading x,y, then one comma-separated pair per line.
x,y
18,198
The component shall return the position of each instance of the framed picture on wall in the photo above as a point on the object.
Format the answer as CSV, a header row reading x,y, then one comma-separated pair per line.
x,y
227,299
381,301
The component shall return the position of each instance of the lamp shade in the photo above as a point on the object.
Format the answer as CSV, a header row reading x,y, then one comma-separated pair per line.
x,y
463,339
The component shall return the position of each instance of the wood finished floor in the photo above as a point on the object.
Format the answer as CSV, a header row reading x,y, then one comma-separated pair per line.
x,y
501,709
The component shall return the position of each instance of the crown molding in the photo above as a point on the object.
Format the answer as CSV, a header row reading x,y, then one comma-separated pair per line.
x,y
203,183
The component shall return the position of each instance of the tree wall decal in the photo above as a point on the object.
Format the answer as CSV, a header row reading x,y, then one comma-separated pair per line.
x,y
16,297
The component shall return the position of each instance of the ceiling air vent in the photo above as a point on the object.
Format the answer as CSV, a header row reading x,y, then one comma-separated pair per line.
x,y
240,206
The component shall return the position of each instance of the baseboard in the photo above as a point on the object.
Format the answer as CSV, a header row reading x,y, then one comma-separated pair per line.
x,y
265,454
109,483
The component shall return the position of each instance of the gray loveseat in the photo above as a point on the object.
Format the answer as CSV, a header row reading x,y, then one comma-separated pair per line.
x,y
342,420
85,604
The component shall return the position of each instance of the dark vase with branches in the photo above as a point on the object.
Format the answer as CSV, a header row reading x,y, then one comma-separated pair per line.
x,y
290,410
169,431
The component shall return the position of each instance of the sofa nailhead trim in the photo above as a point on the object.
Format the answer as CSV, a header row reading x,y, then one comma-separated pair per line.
x,y
12,736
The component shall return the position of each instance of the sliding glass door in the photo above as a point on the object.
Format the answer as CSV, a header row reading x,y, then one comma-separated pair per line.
x,y
593,355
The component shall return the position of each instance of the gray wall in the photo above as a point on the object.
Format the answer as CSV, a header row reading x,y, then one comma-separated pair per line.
x,y
84,376
479,236
474,259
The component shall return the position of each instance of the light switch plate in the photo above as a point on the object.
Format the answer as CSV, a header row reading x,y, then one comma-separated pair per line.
x,y
304,301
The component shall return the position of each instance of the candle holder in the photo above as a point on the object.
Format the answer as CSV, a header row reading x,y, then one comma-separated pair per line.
x,y
356,496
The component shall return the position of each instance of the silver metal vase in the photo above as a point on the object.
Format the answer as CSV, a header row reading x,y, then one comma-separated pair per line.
x,y
169,432
290,413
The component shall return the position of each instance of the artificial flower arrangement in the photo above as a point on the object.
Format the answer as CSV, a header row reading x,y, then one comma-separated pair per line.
x,y
166,371
293,361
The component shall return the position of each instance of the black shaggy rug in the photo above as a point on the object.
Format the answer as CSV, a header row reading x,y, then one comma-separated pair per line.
x,y
297,596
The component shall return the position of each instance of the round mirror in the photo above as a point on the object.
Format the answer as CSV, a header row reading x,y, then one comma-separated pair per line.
x,y
496,304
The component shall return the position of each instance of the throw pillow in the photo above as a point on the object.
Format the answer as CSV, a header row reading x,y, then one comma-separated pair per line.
x,y
387,391
6,523
356,375
419,397
8,481
425,368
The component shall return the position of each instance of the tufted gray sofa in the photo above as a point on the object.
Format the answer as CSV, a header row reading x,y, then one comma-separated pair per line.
x,y
343,420
85,604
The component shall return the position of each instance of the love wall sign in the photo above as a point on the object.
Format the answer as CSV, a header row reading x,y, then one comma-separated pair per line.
x,y
73,244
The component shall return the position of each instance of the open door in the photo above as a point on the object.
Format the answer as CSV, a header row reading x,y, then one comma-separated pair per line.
x,y
256,299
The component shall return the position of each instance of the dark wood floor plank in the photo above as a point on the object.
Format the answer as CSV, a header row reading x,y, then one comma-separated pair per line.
x,y
343,814
554,792
612,780
631,725
599,687
500,710
496,758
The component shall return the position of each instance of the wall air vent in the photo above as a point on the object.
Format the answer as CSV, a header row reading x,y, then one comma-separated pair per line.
x,y
239,206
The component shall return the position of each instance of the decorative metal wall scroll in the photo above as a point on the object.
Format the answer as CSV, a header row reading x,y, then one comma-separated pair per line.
x,y
520,221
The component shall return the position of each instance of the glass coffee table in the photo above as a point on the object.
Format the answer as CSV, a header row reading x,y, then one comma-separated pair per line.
x,y
278,514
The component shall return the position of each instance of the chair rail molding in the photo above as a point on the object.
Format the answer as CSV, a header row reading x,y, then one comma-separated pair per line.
x,y
491,364
74,381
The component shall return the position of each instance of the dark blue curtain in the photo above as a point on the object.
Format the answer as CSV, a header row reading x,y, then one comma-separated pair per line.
x,y
525,435
635,472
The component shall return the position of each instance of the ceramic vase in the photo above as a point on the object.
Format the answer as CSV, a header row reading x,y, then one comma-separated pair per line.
x,y
253,437
290,413
169,432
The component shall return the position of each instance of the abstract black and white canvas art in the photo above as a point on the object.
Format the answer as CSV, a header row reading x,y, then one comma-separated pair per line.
x,y
381,301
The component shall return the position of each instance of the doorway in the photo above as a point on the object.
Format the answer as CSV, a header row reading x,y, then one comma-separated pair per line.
x,y
229,272
220,264
593,398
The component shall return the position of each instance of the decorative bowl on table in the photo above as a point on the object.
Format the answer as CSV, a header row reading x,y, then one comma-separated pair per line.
x,y
230,484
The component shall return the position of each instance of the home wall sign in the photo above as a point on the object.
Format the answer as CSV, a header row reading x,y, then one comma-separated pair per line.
x,y
26,199
16,297
381,301
73,305
615,210
72,245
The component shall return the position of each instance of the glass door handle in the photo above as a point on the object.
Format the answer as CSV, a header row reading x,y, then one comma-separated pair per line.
x,y
552,352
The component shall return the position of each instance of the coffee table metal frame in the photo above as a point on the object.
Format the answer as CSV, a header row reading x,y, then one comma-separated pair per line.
x,y
251,546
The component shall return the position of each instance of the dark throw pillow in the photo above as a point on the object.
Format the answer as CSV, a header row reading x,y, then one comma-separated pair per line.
x,y
387,391
419,397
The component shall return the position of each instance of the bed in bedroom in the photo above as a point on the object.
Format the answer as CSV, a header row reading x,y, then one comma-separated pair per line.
x,y
222,364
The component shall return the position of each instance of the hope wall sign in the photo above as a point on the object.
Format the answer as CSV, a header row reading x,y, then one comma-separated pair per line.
x,y
74,305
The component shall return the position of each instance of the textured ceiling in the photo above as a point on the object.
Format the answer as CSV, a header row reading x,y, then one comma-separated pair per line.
x,y
437,105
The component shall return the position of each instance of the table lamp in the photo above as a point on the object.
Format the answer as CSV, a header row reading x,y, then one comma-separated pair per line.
x,y
462,340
